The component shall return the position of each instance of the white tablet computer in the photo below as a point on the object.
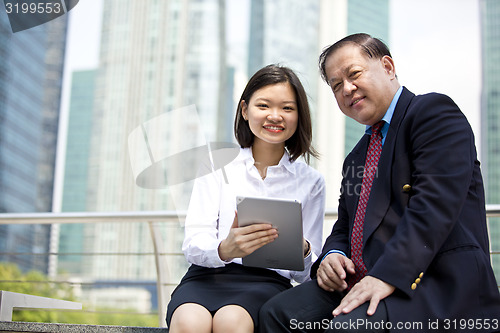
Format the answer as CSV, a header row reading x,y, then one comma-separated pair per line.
x,y
286,251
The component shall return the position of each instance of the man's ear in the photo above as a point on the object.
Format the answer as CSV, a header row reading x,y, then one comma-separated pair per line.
x,y
389,67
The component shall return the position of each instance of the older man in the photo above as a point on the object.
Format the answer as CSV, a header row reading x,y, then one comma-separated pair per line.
x,y
409,251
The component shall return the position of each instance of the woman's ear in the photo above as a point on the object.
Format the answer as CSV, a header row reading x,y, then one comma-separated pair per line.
x,y
244,110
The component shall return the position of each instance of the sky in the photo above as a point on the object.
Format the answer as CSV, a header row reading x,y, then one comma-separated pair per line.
x,y
436,47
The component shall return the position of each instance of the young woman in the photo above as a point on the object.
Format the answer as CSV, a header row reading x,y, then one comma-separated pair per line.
x,y
273,128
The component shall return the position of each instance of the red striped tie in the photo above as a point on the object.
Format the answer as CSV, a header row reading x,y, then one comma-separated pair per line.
x,y
372,157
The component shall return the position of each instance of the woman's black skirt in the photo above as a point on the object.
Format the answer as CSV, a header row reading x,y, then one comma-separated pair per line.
x,y
233,284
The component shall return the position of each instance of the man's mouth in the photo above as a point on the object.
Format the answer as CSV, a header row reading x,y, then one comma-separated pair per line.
x,y
356,101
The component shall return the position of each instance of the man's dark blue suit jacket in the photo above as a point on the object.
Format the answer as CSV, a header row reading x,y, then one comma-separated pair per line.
x,y
425,230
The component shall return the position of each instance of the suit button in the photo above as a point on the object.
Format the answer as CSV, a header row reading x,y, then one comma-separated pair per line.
x,y
421,275
406,188
413,286
417,281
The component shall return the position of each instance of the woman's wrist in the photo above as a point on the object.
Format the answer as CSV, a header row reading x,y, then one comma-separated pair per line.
x,y
222,255
307,248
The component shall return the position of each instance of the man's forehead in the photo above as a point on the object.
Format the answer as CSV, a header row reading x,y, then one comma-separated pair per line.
x,y
340,67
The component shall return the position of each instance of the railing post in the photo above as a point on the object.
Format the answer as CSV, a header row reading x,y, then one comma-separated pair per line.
x,y
161,272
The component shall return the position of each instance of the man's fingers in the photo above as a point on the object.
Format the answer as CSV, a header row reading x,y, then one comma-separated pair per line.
x,y
324,282
334,272
339,271
373,305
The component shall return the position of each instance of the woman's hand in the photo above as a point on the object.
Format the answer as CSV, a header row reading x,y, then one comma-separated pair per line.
x,y
242,241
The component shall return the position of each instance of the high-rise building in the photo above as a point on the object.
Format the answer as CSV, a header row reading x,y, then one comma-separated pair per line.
x,y
71,238
155,57
30,81
293,44
490,115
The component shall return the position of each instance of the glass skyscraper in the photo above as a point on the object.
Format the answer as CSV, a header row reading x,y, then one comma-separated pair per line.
x,y
30,82
293,44
490,116
71,239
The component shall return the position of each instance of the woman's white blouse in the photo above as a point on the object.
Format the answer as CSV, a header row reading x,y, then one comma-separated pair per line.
x,y
213,204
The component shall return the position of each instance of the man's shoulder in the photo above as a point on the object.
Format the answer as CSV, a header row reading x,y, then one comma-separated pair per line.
x,y
432,97
429,104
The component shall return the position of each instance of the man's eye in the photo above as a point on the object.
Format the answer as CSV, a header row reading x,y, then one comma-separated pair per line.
x,y
355,74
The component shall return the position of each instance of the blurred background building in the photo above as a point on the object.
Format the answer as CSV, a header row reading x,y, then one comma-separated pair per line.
x,y
31,78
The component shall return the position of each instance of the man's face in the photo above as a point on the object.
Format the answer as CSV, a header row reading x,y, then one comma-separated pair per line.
x,y
363,86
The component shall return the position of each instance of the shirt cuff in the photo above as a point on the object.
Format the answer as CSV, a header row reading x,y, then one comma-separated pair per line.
x,y
333,251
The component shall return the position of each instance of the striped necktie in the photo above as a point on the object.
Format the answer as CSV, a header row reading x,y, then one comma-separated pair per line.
x,y
372,158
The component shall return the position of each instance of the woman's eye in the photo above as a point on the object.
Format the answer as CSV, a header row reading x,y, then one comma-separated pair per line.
x,y
288,108
262,105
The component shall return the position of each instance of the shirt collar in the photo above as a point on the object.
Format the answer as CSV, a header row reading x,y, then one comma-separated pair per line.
x,y
247,157
388,116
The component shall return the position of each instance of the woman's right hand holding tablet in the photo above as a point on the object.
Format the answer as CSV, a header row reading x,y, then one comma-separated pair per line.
x,y
242,241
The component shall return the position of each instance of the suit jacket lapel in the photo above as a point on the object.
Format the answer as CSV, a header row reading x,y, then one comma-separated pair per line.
x,y
380,195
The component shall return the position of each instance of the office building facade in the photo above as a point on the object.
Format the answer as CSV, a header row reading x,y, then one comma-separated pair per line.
x,y
30,80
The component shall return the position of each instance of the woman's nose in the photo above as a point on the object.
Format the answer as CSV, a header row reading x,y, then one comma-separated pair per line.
x,y
274,115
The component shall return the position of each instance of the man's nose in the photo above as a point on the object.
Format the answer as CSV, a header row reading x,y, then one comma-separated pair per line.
x,y
349,87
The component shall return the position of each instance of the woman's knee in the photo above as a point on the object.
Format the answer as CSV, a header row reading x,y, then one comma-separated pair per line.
x,y
232,318
189,318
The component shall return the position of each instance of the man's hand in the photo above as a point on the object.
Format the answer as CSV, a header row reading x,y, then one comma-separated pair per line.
x,y
368,289
242,241
333,270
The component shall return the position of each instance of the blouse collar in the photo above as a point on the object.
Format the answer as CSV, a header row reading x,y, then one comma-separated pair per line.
x,y
247,157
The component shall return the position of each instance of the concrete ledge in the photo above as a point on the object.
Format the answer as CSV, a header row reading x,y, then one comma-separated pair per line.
x,y
18,327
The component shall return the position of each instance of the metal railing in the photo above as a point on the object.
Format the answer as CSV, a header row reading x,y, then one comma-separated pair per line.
x,y
152,218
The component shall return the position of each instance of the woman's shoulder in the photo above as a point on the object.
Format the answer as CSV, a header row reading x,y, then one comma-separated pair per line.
x,y
302,169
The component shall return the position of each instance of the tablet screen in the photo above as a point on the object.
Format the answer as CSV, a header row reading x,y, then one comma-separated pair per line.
x,y
286,251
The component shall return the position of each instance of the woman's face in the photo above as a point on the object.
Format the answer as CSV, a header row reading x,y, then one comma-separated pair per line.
x,y
272,113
